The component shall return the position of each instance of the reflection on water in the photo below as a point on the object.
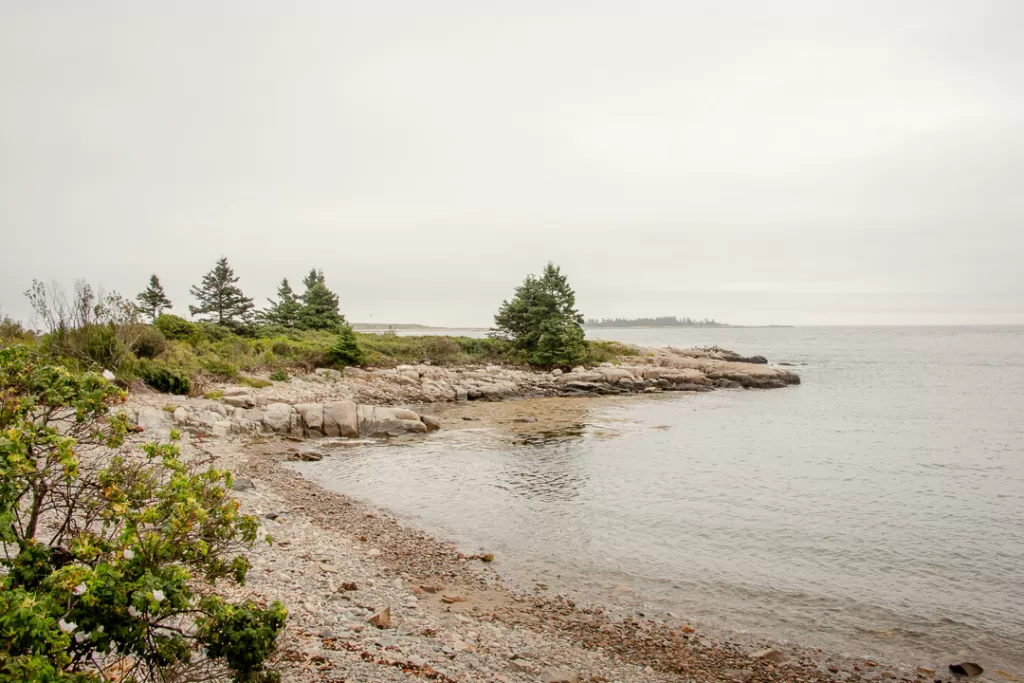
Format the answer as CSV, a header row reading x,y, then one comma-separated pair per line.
x,y
878,508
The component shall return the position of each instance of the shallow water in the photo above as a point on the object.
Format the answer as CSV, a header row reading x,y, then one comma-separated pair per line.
x,y
877,509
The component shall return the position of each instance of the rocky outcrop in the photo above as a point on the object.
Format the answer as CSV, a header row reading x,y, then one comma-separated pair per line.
x,y
352,403
301,420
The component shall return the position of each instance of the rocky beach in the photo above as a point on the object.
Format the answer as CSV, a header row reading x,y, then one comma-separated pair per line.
x,y
371,599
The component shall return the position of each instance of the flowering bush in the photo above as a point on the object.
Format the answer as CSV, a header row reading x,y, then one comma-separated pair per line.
x,y
109,556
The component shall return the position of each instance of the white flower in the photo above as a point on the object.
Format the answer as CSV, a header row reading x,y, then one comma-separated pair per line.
x,y
133,612
67,626
108,375
82,637
158,595
79,589
129,554
99,629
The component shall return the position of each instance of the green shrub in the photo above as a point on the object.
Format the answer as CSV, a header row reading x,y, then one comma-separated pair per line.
x,y
147,537
346,349
163,378
218,367
11,332
176,327
212,331
254,382
280,376
151,342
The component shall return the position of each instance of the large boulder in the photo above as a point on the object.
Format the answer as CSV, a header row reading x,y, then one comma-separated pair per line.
x,y
277,417
380,421
341,419
312,422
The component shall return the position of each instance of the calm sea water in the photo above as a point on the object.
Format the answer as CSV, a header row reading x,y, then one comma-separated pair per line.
x,y
877,509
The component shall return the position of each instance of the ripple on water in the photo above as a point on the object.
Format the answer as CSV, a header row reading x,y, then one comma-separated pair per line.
x,y
878,508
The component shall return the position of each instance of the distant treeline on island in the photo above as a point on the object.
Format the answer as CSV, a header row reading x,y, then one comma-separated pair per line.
x,y
663,321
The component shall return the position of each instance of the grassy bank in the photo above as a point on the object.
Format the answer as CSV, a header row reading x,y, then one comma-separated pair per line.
x,y
182,357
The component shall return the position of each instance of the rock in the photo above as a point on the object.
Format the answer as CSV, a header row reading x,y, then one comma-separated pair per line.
x,y
377,421
428,588
381,619
239,397
552,675
432,423
769,655
341,419
150,418
925,671
450,599
277,417
180,415
966,669
739,675
328,373
556,372
579,368
310,456
312,415
355,373
525,420
522,667
373,552
241,484
326,632
223,428
461,395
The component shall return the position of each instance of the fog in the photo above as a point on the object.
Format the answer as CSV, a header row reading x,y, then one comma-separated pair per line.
x,y
791,162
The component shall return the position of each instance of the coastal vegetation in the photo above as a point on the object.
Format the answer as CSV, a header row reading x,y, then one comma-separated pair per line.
x,y
229,340
662,321
112,557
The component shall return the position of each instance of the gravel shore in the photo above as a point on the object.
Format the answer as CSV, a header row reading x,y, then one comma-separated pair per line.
x,y
373,600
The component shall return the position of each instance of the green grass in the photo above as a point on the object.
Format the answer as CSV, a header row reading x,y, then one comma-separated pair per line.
x,y
254,382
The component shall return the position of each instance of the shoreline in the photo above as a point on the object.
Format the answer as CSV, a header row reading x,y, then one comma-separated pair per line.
x,y
474,626
344,540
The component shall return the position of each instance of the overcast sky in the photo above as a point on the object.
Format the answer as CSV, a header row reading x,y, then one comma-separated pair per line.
x,y
793,161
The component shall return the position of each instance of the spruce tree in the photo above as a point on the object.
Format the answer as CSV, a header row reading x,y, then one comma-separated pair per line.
x,y
541,319
153,300
286,310
220,299
319,304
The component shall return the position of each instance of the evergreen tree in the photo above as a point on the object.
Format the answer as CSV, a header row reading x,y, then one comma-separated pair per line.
x,y
346,349
153,299
286,310
221,301
542,320
319,304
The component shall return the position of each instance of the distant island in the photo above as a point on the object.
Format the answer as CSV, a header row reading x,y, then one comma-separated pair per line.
x,y
393,326
663,321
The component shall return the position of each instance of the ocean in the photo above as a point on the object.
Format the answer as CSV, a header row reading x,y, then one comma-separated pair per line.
x,y
875,510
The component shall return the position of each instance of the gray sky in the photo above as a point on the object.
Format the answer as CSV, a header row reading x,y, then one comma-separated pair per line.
x,y
759,162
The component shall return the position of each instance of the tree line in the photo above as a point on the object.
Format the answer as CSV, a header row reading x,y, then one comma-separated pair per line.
x,y
221,301
661,321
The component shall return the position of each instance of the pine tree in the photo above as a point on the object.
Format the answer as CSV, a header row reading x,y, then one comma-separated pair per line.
x,y
286,310
319,304
221,301
542,320
346,349
153,299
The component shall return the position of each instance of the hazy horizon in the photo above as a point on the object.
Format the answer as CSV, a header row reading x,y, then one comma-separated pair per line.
x,y
791,163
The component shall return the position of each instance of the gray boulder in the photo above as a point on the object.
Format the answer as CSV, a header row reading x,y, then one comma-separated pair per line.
x,y
379,421
277,417
340,419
